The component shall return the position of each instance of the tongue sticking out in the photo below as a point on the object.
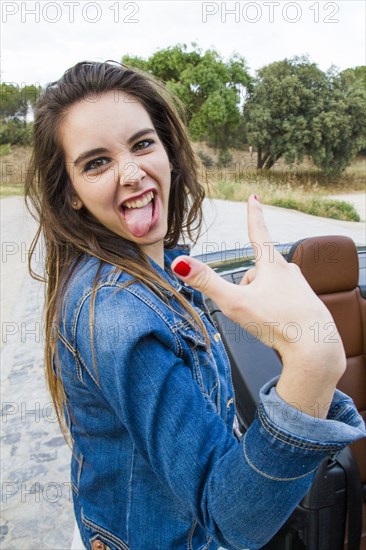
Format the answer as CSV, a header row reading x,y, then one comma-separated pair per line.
x,y
139,219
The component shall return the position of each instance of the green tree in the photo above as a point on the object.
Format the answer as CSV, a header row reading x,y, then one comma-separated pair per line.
x,y
211,89
16,101
339,128
296,109
135,61
16,104
30,94
355,78
16,132
285,97
13,104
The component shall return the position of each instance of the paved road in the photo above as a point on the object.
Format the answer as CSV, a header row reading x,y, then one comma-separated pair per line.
x,y
36,499
36,510
226,226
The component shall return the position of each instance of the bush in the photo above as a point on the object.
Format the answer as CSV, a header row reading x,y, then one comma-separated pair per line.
x,y
286,203
326,208
5,149
225,157
207,161
226,190
15,132
338,210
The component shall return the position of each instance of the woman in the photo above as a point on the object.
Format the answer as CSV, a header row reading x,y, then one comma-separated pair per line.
x,y
137,371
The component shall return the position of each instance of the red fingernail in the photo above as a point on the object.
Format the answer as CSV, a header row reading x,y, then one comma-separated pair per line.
x,y
256,197
182,268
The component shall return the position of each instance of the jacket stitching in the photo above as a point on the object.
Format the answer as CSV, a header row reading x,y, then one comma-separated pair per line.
x,y
197,370
130,492
107,534
74,352
72,349
138,294
217,385
66,343
113,283
342,410
84,297
79,470
174,327
161,315
290,440
116,276
227,369
207,545
81,360
189,335
75,489
79,371
264,474
190,534
213,361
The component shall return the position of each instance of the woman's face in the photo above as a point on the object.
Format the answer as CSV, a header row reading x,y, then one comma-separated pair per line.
x,y
119,168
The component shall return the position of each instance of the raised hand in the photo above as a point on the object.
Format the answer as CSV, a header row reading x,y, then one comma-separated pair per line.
x,y
277,302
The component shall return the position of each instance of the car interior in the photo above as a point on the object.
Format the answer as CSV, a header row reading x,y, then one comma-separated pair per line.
x,y
333,514
331,267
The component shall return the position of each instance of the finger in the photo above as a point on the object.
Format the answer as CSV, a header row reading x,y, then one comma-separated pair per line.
x,y
248,277
260,237
201,277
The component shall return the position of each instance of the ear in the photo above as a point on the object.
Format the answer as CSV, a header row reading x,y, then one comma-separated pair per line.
x,y
171,167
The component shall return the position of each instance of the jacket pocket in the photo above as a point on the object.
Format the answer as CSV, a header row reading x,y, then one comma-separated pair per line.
x,y
97,533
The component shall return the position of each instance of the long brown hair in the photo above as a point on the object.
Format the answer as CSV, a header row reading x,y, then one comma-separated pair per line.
x,y
69,234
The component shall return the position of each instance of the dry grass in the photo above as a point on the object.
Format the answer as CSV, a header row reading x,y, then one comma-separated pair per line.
x,y
242,169
14,166
11,190
300,187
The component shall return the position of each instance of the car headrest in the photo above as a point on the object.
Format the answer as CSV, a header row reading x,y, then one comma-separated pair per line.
x,y
329,264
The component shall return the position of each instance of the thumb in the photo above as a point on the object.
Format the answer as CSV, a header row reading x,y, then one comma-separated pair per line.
x,y
201,277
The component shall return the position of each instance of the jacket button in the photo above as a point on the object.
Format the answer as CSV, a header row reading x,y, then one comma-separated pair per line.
x,y
99,545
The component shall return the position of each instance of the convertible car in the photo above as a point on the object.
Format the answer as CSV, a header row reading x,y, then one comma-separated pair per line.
x,y
332,516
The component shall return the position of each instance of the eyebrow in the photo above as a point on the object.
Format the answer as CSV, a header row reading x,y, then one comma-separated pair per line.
x,y
140,133
85,156
102,150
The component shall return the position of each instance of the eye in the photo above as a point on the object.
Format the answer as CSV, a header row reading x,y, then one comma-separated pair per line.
x,y
96,164
141,145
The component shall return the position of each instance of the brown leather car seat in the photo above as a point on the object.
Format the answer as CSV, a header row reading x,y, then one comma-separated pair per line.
x,y
330,265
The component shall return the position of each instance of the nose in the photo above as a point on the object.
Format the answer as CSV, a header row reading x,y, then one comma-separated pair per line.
x,y
130,173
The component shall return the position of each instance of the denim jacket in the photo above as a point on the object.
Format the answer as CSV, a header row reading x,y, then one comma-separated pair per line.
x,y
155,463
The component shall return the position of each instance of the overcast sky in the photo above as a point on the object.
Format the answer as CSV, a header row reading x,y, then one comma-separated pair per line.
x,y
40,40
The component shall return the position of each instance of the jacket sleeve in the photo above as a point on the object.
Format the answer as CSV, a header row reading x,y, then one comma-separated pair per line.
x,y
227,485
343,423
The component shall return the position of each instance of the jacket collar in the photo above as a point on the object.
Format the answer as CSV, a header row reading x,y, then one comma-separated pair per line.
x,y
169,255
